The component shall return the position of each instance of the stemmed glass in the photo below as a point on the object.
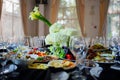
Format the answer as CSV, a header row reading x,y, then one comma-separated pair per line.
x,y
3,59
38,42
77,46
98,40
24,45
114,45
3,62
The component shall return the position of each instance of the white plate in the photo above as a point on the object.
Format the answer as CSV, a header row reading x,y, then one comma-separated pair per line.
x,y
112,62
65,64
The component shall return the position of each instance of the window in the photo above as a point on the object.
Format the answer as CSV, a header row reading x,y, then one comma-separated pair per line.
x,y
11,19
113,18
67,14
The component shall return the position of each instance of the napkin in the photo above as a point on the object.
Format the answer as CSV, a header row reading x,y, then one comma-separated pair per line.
x,y
96,71
9,68
60,76
116,67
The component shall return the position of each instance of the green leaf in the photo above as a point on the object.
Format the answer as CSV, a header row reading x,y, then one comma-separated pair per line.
x,y
40,58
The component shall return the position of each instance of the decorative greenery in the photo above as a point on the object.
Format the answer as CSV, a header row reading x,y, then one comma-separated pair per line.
x,y
59,35
58,51
36,15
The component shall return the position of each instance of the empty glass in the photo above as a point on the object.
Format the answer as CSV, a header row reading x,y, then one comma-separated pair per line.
x,y
38,42
78,48
3,62
115,47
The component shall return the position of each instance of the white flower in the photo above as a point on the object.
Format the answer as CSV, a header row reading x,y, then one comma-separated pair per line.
x,y
59,35
56,38
56,27
69,31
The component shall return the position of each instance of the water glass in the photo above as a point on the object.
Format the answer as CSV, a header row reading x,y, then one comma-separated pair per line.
x,y
78,48
3,62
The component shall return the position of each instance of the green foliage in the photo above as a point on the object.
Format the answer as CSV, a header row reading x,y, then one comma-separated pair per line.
x,y
36,15
58,51
40,58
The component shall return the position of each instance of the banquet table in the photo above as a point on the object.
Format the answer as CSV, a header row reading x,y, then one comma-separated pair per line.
x,y
108,73
35,74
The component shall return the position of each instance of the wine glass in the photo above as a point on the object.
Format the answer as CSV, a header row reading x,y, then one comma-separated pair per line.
x,y
78,48
77,45
98,40
24,46
3,62
38,42
26,41
114,45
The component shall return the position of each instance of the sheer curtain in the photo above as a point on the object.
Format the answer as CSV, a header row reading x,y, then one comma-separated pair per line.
x,y
0,16
104,4
113,18
54,7
80,6
0,7
11,24
30,27
67,14
15,18
23,8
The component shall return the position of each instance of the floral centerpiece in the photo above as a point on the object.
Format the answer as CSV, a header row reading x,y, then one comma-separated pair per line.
x,y
58,35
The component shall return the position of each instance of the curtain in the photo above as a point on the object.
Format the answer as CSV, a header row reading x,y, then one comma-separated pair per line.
x,y
1,1
1,8
54,6
23,5
30,27
11,19
80,12
104,4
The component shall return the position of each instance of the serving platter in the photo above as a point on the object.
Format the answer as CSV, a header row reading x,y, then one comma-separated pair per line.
x,y
64,64
56,64
38,66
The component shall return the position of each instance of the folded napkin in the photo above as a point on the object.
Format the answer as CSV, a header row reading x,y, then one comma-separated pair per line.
x,y
9,68
60,76
116,67
96,71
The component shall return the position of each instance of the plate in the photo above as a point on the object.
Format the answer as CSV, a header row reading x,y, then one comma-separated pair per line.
x,y
55,63
112,62
37,66
46,58
87,63
65,64
105,61
68,64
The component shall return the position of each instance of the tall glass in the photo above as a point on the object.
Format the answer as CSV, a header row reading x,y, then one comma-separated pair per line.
x,y
77,46
3,60
115,47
